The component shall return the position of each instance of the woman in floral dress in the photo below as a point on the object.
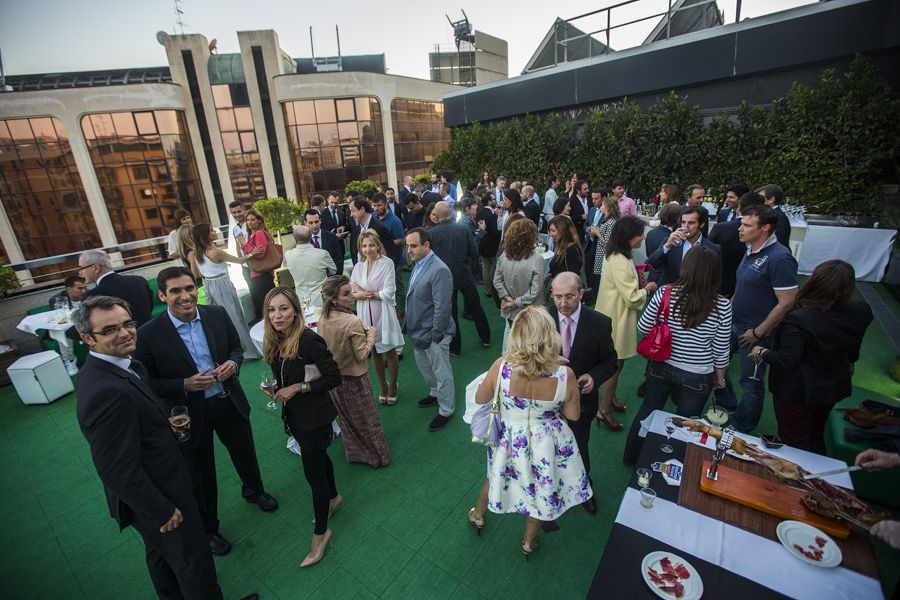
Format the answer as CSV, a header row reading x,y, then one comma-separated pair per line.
x,y
536,469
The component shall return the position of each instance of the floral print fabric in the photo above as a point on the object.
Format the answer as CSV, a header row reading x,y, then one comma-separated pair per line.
x,y
535,469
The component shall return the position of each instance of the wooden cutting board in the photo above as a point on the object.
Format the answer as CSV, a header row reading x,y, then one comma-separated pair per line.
x,y
769,497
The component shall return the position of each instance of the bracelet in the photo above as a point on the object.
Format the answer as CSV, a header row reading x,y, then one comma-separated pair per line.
x,y
757,336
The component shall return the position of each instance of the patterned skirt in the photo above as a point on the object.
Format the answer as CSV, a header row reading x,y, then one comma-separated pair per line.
x,y
361,430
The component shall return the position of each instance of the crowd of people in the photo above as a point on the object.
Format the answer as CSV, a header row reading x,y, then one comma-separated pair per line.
x,y
569,327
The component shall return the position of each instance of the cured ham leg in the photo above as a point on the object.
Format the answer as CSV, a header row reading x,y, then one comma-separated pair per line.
x,y
822,497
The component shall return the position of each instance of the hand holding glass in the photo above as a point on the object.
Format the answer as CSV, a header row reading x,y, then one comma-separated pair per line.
x,y
268,384
181,422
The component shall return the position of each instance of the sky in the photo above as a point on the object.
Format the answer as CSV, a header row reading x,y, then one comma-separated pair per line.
x,y
50,36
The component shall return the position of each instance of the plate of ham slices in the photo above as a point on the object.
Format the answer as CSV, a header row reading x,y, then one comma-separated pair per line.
x,y
809,544
670,576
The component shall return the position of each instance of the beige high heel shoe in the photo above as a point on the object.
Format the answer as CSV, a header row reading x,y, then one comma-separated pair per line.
x,y
317,549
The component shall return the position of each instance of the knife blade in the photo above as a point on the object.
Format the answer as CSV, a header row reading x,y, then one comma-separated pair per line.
x,y
834,472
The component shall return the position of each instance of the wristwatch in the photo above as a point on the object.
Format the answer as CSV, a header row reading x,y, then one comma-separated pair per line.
x,y
304,387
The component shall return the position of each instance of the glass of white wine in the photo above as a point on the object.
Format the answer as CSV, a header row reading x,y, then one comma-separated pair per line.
x,y
268,384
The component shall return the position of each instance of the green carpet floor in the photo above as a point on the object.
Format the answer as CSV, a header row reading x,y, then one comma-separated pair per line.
x,y
401,534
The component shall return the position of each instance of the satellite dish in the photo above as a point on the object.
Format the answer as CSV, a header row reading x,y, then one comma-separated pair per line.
x,y
212,45
161,37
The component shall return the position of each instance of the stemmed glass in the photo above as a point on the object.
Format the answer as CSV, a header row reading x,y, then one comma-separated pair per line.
x,y
267,383
181,420
756,360
670,429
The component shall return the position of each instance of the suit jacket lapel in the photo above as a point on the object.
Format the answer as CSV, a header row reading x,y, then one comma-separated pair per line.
x,y
210,336
582,332
134,380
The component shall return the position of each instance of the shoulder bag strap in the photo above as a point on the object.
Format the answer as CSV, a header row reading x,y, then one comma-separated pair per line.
x,y
665,301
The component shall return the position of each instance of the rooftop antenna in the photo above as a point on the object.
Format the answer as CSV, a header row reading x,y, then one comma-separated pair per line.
x,y
179,21
338,34
462,32
312,47
3,86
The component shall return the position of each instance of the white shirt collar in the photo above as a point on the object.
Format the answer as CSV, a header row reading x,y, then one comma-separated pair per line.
x,y
772,240
122,363
178,322
99,279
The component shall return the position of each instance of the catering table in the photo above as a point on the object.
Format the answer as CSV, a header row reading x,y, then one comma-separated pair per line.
x,y
730,560
50,322
868,250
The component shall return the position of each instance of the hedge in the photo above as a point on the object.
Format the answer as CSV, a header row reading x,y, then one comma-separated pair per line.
x,y
831,146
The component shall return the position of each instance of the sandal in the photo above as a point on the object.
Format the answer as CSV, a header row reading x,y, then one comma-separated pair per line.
x,y
382,400
476,522
529,547
391,400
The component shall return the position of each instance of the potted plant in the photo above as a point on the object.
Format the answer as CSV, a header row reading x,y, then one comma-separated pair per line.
x,y
280,214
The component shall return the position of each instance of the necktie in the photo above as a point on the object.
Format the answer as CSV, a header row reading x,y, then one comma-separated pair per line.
x,y
138,368
566,336
316,241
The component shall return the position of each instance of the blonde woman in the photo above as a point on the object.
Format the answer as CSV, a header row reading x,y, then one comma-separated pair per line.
x,y
535,469
186,246
351,344
288,348
375,288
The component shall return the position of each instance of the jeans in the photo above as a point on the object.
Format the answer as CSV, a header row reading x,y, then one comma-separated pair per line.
x,y
749,410
662,379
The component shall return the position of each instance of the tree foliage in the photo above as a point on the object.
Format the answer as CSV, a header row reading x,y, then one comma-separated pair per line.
x,y
831,146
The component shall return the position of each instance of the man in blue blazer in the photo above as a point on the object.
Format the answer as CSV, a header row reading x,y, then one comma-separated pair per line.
x,y
192,355
668,257
429,325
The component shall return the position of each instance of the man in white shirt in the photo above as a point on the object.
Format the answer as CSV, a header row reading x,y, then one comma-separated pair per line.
x,y
182,217
309,266
550,197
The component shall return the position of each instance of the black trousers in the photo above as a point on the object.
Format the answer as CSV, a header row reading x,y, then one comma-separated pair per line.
x,y
582,428
180,564
259,287
471,303
236,435
318,470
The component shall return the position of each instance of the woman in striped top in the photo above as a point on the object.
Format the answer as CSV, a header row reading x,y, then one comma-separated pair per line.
x,y
700,321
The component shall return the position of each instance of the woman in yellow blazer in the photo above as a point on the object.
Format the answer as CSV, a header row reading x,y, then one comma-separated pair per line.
x,y
620,298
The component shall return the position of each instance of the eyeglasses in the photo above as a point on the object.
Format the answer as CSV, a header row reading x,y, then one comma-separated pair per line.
x,y
114,329
80,269
567,297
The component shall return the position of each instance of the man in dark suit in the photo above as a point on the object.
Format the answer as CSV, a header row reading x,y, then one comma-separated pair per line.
x,y
363,218
192,354
408,185
488,245
579,206
531,206
588,346
668,257
394,205
144,475
333,217
774,196
594,219
729,211
324,239
96,267
727,236
454,244
669,217
427,196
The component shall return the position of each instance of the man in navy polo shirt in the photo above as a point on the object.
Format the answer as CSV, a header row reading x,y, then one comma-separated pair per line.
x,y
765,292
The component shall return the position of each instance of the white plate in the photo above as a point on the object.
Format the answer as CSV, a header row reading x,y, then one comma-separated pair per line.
x,y
693,586
804,535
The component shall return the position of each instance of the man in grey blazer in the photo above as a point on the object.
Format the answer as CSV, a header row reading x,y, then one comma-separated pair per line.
x,y
429,326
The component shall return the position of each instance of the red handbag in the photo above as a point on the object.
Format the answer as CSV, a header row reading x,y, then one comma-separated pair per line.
x,y
658,343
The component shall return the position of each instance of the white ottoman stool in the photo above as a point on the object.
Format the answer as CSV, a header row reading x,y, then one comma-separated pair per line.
x,y
40,378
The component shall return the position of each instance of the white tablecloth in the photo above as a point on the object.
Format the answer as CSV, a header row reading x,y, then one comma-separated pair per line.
x,y
258,331
868,250
48,321
749,555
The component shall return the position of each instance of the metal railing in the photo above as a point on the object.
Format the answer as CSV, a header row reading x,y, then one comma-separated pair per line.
x,y
124,256
564,43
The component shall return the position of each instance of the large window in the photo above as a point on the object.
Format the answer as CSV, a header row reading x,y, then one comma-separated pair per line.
x,y
239,139
334,141
42,191
419,134
146,168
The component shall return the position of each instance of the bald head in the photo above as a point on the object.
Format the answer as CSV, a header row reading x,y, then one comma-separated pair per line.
x,y
567,292
441,210
567,279
302,234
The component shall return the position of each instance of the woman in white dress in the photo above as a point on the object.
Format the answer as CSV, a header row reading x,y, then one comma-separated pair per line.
x,y
212,264
374,288
536,469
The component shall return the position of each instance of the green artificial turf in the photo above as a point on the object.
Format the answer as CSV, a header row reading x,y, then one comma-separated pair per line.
x,y
402,532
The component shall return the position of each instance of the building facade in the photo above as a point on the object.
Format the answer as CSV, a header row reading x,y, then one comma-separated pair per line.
x,y
100,159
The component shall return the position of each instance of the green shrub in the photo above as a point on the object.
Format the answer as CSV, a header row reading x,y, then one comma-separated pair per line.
x,y
8,281
360,186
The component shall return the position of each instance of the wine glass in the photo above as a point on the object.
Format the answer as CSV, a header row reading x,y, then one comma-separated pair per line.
x,y
222,393
267,383
756,360
181,420
670,429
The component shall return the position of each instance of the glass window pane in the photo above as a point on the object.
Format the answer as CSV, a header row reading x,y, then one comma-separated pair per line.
x,y
362,109
305,112
331,157
328,134
308,136
103,126
325,111
347,132
5,136
145,123
244,118
124,123
20,130
248,141
232,143
167,121
345,110
226,119
221,96
87,129
310,160
350,156
43,129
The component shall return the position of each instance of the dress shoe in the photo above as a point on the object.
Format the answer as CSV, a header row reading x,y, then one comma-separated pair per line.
x,y
439,422
265,502
590,505
609,421
218,545
485,344
458,353
426,402
467,316
618,406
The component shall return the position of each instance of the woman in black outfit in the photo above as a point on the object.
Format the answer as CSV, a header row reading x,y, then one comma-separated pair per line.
x,y
567,255
289,348
816,346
